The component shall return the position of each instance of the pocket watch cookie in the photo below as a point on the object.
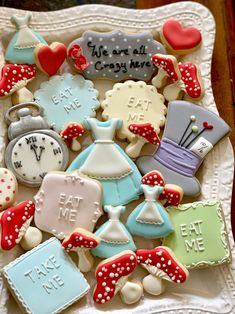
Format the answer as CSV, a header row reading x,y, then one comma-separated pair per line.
x,y
115,55
33,149
67,98
8,188
21,47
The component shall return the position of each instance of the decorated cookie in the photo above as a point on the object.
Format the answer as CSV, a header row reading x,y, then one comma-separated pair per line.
x,y
33,149
115,55
21,47
71,97
144,133
31,238
8,188
66,201
45,280
190,133
186,77
14,78
161,264
113,234
200,236
178,39
171,195
105,161
112,276
81,241
149,219
50,58
71,134
14,222
134,103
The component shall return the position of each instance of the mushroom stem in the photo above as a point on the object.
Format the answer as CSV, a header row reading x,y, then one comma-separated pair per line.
x,y
172,92
134,148
131,292
75,146
21,95
85,261
153,285
160,79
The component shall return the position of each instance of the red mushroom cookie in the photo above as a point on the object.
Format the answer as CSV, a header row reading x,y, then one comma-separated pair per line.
x,y
8,188
81,241
71,133
190,83
167,67
144,133
14,78
112,275
153,178
161,264
14,222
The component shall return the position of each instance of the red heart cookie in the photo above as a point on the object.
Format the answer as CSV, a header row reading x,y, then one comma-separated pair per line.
x,y
50,58
179,39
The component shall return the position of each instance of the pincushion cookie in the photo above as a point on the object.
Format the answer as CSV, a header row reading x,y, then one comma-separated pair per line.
x,y
8,188
72,98
115,55
45,280
179,39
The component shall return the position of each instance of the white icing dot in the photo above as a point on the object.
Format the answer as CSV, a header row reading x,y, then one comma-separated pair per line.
x,y
99,295
100,274
131,257
111,275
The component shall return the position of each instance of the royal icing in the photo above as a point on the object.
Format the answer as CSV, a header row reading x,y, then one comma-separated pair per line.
x,y
50,58
72,98
8,188
114,236
14,222
134,103
71,134
81,241
45,280
131,292
115,55
161,264
33,150
144,133
186,77
14,77
186,124
66,201
21,47
149,219
105,161
31,238
179,39
200,236
112,275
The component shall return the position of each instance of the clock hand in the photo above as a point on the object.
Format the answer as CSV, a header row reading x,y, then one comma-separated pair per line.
x,y
41,150
34,147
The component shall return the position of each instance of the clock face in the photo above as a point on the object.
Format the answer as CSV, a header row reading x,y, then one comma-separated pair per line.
x,y
34,154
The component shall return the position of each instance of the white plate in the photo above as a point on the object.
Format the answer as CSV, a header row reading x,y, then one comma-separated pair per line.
x,y
209,290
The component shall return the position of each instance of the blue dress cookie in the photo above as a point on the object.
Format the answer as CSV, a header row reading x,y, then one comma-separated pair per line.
x,y
21,47
114,236
149,219
106,162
